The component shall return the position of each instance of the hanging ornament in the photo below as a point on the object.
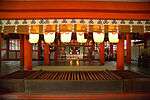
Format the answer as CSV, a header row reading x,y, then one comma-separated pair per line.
x,y
33,38
80,37
113,37
98,37
66,36
49,37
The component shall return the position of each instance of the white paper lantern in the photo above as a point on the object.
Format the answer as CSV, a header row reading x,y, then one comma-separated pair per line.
x,y
66,36
49,37
98,37
33,38
80,37
113,37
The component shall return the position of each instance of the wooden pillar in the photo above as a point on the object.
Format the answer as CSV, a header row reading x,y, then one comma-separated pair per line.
x,y
128,56
46,54
111,51
101,53
120,53
27,54
22,50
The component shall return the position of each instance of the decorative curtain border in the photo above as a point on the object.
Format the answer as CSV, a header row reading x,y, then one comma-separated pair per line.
x,y
74,22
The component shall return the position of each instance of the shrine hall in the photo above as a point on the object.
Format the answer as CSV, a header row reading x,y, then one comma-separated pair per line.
x,y
75,49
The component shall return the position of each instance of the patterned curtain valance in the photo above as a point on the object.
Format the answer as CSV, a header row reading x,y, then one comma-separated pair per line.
x,y
95,28
112,28
138,29
9,29
36,29
81,27
50,28
65,27
77,25
124,28
147,28
23,29
106,28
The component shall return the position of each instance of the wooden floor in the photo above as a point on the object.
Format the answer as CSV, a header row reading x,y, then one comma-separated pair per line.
x,y
107,66
74,75
97,85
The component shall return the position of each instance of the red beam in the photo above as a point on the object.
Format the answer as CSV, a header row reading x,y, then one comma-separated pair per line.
x,y
73,9
86,15
77,5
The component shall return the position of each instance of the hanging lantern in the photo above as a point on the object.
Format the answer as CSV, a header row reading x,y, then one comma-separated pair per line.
x,y
113,37
33,38
49,37
82,40
66,36
98,37
80,37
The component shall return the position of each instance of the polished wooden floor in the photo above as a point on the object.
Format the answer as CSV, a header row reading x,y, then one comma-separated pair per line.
x,y
74,75
36,81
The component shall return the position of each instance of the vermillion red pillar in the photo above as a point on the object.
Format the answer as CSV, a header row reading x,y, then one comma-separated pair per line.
x,y
128,56
120,53
46,54
101,53
22,50
27,54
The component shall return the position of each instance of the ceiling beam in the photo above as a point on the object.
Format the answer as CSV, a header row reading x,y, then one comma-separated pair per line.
x,y
74,9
